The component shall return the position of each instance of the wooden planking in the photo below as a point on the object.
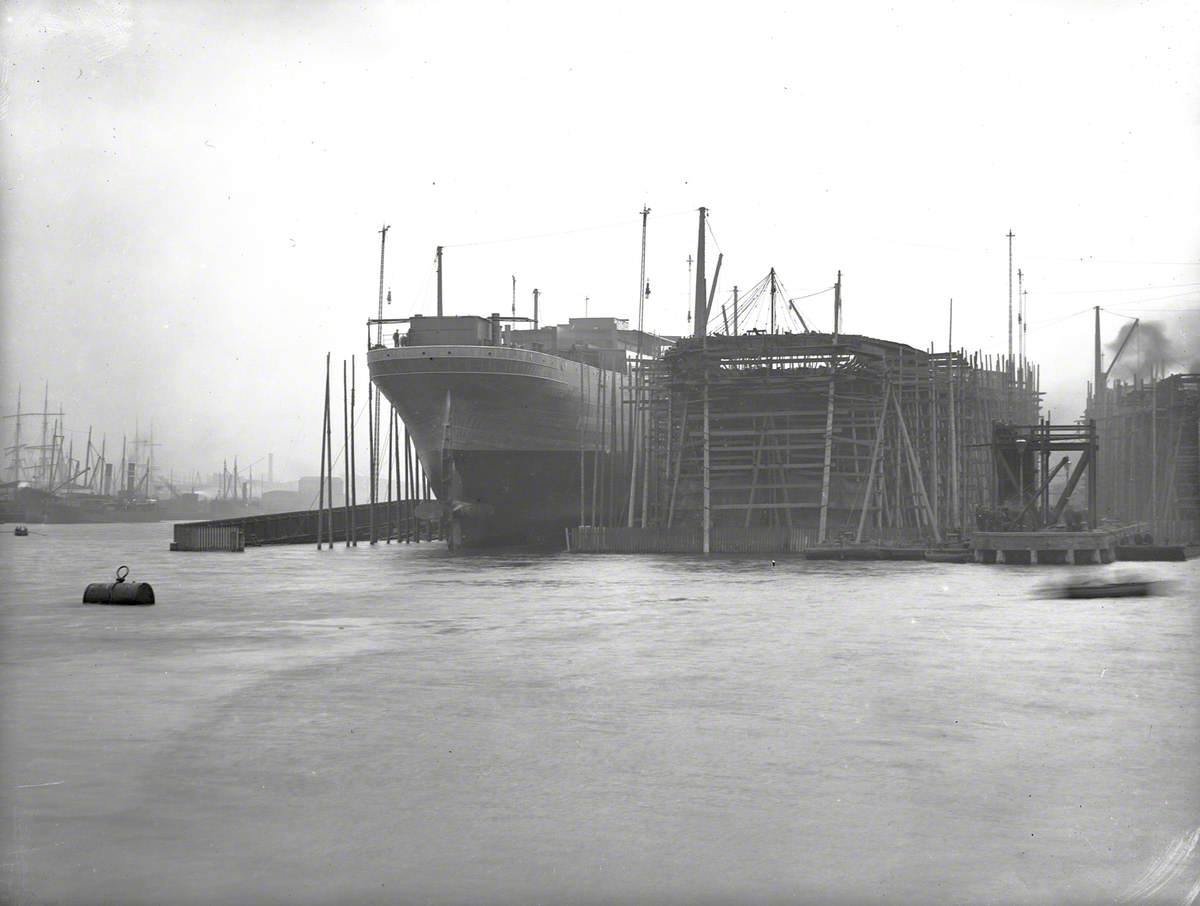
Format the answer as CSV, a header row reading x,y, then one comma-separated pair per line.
x,y
724,540
301,526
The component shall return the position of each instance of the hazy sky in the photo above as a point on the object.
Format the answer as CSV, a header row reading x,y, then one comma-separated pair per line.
x,y
192,191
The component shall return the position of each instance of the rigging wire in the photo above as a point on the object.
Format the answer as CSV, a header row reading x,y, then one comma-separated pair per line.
x,y
708,223
1156,310
984,250
1047,321
1191,292
827,289
1109,311
585,229
1128,289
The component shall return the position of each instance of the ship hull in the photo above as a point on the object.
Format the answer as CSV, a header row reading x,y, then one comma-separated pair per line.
x,y
37,506
500,431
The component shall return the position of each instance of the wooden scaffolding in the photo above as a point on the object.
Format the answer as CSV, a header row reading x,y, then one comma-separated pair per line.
x,y
1149,434
820,436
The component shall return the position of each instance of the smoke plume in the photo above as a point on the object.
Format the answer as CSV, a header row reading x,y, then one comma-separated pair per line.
x,y
1164,345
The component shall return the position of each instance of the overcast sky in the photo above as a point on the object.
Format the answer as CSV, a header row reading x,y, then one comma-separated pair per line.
x,y
192,191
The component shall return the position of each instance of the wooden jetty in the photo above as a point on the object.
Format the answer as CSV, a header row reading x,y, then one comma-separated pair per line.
x,y
1098,546
206,536
1166,553
395,521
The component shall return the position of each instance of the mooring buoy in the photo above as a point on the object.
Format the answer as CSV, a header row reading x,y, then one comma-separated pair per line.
x,y
119,592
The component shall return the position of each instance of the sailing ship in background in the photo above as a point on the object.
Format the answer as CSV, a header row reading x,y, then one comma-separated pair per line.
x,y
47,482
44,480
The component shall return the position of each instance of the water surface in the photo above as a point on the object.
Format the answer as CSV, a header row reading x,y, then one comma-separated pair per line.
x,y
394,724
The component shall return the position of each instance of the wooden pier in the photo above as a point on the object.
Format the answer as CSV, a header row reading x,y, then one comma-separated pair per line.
x,y
1163,553
1098,546
205,536
396,521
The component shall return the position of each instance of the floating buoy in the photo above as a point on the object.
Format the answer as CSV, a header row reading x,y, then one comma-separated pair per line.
x,y
119,592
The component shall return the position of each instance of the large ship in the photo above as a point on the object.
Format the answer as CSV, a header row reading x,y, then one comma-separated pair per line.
x,y
513,425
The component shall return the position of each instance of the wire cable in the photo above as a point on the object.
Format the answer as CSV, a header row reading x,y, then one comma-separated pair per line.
x,y
586,229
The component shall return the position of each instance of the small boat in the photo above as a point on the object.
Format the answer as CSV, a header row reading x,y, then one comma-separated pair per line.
x,y
956,555
1095,588
21,531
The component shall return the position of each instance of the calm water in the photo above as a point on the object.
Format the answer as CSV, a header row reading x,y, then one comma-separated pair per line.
x,y
394,724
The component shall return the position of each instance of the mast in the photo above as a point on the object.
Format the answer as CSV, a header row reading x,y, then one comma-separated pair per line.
x,y
954,514
699,326
1024,322
372,461
353,454
150,462
706,512
535,308
439,281
772,300
735,311
690,288
1099,371
17,441
642,280
87,456
373,426
837,307
1010,313
636,420
1020,318
43,465
345,458
53,457
382,246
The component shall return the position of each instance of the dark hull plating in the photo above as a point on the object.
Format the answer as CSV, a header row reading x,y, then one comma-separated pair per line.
x,y
499,431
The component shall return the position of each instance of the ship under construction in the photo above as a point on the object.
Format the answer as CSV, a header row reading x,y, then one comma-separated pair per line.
x,y
609,438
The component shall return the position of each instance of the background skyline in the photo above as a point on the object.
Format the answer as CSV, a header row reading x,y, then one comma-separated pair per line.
x,y
193,191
